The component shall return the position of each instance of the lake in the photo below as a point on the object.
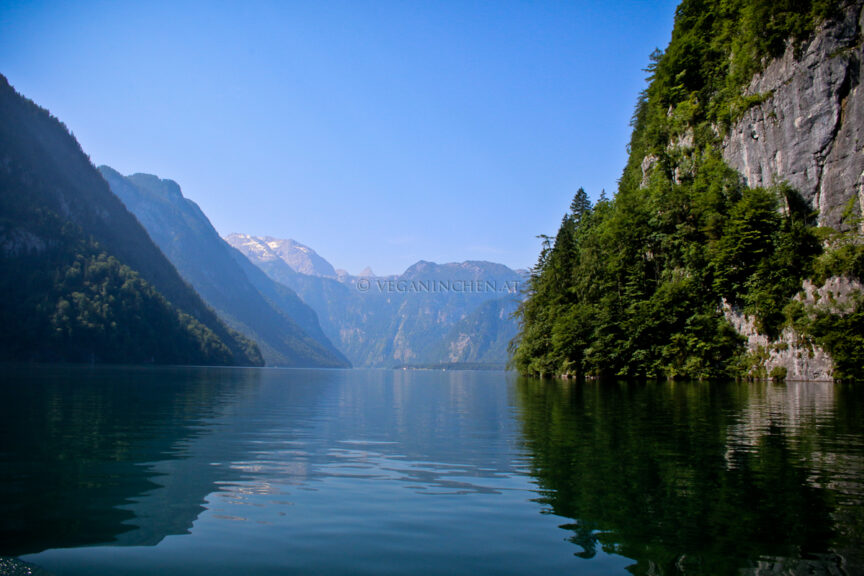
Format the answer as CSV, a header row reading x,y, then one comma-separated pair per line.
x,y
121,470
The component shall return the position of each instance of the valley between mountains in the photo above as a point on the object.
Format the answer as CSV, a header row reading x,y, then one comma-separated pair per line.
x,y
302,311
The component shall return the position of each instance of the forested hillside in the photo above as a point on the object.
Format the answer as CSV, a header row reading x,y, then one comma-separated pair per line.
x,y
644,284
80,279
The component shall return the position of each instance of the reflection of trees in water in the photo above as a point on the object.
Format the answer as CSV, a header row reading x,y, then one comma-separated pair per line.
x,y
696,478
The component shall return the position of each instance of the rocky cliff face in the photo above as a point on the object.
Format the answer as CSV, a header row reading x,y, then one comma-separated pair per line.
x,y
808,128
796,356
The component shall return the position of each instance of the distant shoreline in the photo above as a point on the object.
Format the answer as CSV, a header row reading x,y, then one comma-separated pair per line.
x,y
492,366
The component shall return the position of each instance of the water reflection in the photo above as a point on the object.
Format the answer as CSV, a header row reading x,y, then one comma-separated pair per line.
x,y
133,456
692,478
225,471
83,451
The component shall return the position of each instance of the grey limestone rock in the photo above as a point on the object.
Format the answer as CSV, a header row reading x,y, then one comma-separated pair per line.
x,y
809,129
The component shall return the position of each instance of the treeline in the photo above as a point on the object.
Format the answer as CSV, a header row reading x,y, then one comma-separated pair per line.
x,y
72,302
634,286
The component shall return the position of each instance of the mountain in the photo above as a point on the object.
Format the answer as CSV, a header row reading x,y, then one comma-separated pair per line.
x,y
300,258
80,279
438,313
286,330
734,244
430,314
483,336
442,314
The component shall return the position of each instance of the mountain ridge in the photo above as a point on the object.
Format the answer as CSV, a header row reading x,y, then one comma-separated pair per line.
x,y
421,316
299,257
82,281
183,232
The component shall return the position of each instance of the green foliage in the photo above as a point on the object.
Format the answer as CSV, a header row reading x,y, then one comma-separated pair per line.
x,y
716,47
778,373
842,259
843,338
633,287
81,281
763,255
842,335
78,304
845,253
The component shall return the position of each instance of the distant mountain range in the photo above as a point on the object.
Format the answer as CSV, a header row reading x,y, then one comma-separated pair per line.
x,y
286,330
100,267
80,279
431,314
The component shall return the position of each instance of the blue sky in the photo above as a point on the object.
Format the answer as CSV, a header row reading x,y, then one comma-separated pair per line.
x,y
379,133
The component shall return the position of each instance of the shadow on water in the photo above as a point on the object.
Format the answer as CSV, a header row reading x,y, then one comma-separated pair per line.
x,y
703,479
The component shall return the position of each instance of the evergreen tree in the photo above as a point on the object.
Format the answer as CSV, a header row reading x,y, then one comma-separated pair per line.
x,y
634,286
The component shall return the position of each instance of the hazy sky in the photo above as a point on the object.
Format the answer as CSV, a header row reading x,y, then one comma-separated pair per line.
x,y
378,133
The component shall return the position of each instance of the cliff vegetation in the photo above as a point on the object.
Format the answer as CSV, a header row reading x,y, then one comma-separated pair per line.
x,y
642,285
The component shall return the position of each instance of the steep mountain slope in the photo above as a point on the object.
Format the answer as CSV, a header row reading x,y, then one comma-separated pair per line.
x,y
430,314
208,263
695,269
284,298
81,280
431,300
483,336
807,125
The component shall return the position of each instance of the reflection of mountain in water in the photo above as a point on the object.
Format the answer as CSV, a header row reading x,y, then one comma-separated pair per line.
x,y
410,426
83,449
679,478
212,457
692,478
127,456
423,424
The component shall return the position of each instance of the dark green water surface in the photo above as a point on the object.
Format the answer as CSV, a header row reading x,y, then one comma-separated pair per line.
x,y
262,471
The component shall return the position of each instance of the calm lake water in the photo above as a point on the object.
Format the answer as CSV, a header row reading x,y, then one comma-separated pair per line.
x,y
263,471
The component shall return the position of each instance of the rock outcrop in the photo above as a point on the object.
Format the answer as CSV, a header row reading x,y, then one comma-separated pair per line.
x,y
808,127
796,357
